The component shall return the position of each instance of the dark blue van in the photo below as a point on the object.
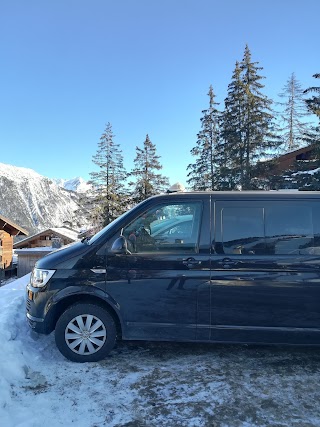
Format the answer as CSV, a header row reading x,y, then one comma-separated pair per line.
x,y
231,267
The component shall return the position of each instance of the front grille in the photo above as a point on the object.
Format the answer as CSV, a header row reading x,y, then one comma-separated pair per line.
x,y
28,305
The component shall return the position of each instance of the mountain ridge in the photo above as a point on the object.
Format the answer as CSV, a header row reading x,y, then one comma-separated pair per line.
x,y
77,184
36,202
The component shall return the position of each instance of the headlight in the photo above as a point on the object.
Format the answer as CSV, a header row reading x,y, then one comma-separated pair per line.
x,y
40,278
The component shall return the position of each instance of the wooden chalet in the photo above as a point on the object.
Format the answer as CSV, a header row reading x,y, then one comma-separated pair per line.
x,y
31,249
52,237
285,161
8,230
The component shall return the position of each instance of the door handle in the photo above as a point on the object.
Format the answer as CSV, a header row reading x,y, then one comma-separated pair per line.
x,y
227,262
191,262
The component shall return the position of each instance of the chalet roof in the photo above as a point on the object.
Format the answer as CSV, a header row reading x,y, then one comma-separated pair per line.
x,y
10,227
297,151
63,232
66,232
45,250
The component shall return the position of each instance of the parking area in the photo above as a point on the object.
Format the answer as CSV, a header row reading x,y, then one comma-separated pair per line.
x,y
150,384
165,384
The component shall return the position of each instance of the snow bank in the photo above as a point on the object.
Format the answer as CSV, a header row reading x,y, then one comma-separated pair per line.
x,y
18,361
12,358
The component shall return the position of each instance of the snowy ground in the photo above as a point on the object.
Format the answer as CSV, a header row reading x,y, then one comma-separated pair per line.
x,y
149,384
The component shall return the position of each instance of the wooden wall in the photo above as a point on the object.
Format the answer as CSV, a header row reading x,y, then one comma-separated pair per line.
x,y
6,243
27,259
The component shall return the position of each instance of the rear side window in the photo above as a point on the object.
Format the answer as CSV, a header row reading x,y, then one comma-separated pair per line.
x,y
316,229
242,230
289,229
281,228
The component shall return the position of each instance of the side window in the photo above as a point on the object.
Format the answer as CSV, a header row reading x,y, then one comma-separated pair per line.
x,y
279,228
242,230
316,229
289,229
166,227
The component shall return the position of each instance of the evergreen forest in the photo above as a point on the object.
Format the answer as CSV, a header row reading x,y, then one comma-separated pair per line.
x,y
237,147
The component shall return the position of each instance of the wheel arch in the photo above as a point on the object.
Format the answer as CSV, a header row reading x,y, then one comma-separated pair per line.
x,y
66,302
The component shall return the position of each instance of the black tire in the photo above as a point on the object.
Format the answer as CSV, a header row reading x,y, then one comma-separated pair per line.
x,y
85,333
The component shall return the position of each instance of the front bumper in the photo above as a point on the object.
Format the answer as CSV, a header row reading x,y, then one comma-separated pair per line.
x,y
36,310
36,323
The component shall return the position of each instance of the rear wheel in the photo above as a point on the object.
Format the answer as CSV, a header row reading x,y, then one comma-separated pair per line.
x,y
85,333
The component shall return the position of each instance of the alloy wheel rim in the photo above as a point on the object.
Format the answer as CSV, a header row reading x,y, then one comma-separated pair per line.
x,y
85,334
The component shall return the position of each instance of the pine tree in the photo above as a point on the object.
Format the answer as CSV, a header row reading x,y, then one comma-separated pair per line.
x,y
292,114
231,149
313,103
258,135
147,182
202,175
248,125
305,179
312,137
109,181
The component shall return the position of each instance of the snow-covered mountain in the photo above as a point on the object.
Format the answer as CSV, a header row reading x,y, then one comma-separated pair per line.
x,y
78,184
35,202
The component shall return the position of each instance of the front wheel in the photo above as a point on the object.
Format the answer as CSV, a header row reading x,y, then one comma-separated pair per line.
x,y
85,333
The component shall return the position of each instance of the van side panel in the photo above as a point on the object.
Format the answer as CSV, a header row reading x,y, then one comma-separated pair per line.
x,y
265,284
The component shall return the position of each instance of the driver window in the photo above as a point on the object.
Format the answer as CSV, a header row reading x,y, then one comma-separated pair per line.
x,y
166,227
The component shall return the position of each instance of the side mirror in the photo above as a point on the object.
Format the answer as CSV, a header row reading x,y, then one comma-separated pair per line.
x,y
120,246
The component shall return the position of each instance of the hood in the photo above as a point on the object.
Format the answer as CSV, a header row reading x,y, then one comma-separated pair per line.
x,y
65,257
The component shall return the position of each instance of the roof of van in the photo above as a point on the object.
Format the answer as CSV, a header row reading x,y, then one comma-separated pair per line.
x,y
272,194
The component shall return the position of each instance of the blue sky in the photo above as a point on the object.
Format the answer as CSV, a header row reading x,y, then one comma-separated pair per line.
x,y
68,67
